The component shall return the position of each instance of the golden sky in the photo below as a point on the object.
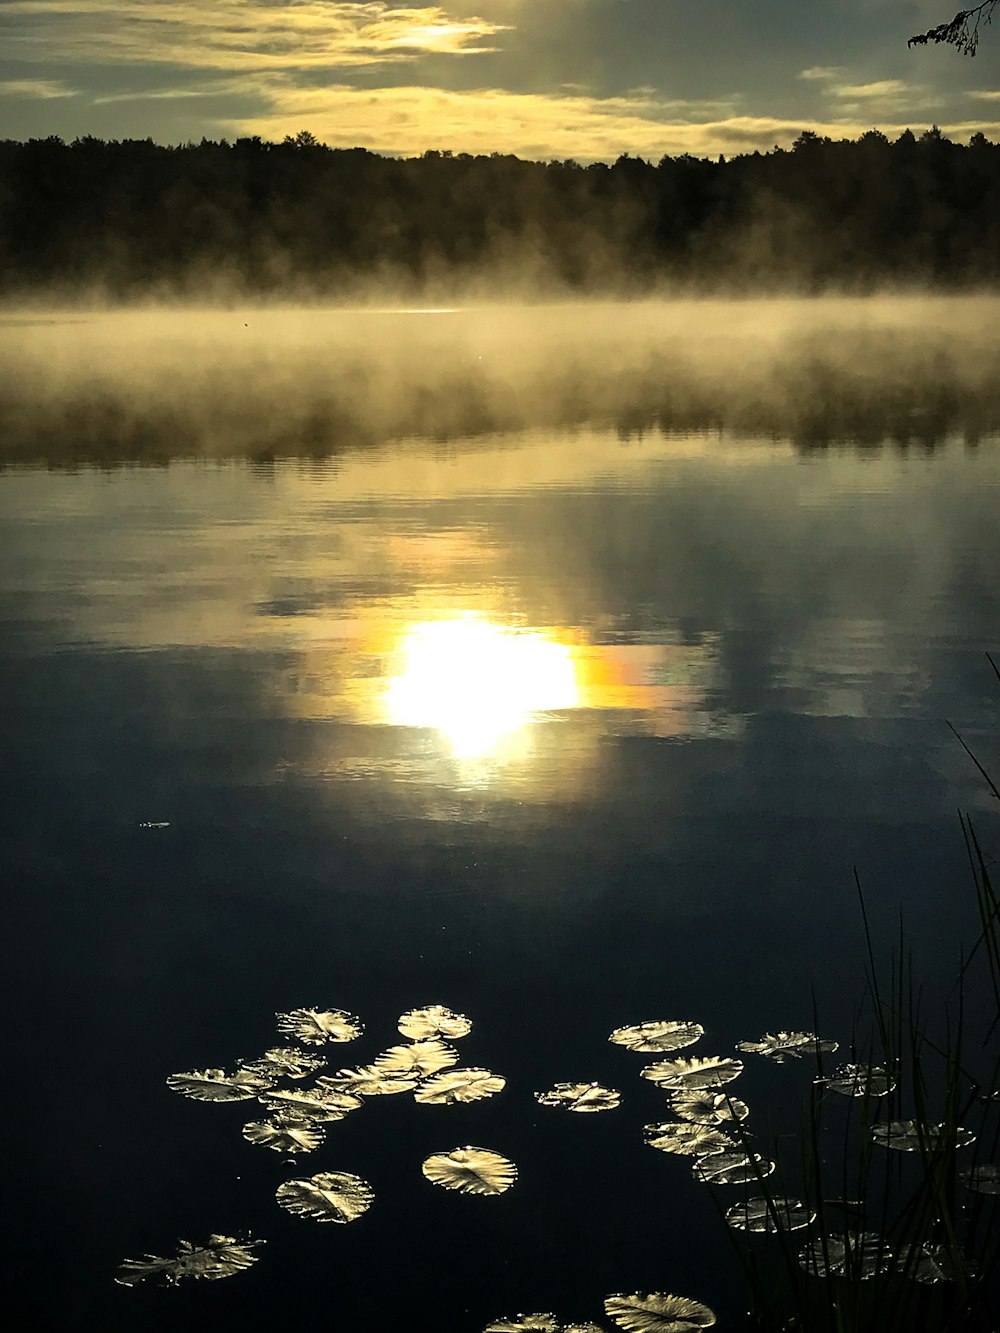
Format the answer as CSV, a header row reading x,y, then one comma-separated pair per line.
x,y
587,79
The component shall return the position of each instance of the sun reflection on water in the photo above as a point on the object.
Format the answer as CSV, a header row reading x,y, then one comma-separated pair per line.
x,y
478,683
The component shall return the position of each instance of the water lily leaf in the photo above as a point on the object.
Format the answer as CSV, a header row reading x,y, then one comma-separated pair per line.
x,y
545,1323
782,1046
220,1256
929,1264
471,1171
912,1136
708,1107
584,1097
709,1072
657,1036
657,1312
330,1196
434,1021
285,1134
860,1081
731,1168
284,1062
686,1139
317,1103
775,1215
419,1057
983,1179
318,1026
459,1085
367,1081
855,1256
215,1085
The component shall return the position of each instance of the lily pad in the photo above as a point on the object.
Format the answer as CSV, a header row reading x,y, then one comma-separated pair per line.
x,y
215,1085
778,1214
983,1179
330,1196
583,1097
543,1323
220,1256
712,1071
656,1312
471,1171
316,1027
731,1168
420,1058
285,1134
318,1103
782,1046
284,1062
860,1256
912,1136
928,1264
368,1081
708,1107
459,1085
658,1036
860,1081
686,1139
434,1021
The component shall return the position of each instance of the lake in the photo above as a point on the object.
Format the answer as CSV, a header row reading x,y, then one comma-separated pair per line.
x,y
555,665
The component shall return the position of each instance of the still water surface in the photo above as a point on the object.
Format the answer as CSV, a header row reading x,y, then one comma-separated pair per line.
x,y
566,725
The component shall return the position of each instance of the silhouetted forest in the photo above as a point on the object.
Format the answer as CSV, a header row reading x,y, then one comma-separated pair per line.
x,y
134,219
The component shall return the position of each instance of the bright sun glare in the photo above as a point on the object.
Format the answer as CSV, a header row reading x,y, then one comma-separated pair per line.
x,y
478,683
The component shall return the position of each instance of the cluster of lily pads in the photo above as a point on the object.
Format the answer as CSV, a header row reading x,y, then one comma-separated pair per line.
x,y
707,1126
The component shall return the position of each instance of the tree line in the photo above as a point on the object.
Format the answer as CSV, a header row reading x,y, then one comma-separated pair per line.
x,y
132,218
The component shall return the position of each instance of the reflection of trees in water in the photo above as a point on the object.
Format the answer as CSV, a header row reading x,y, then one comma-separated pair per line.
x,y
868,395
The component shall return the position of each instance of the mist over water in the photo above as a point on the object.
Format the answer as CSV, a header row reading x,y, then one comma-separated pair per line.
x,y
272,382
556,664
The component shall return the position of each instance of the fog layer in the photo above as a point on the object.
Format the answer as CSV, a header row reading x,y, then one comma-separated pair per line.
x,y
150,386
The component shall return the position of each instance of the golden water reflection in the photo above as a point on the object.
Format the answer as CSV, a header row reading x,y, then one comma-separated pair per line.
x,y
485,694
479,684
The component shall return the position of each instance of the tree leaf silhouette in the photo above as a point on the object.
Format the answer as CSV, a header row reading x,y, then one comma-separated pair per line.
x,y
318,1103
658,1035
285,1134
760,1215
215,1085
708,1107
712,1071
419,1057
686,1139
459,1085
434,1021
471,1171
782,1046
219,1257
329,1196
586,1098
656,1312
316,1027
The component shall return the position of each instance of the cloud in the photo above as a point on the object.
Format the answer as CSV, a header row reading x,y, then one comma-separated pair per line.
x,y
43,89
821,73
407,121
235,34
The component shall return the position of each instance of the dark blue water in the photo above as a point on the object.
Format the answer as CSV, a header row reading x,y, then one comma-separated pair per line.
x,y
565,728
